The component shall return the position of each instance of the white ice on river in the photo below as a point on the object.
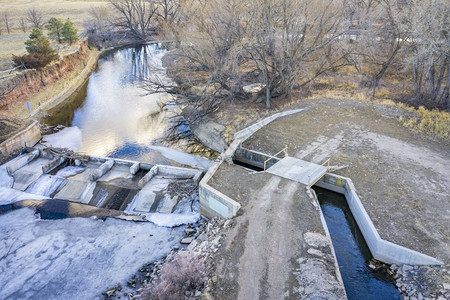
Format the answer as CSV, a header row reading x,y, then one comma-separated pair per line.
x,y
69,137
9,196
74,258
183,157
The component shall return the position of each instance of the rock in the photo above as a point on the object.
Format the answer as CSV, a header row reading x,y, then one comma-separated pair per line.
x,y
189,231
227,224
109,293
316,252
407,268
192,245
201,237
186,240
197,294
446,286
253,88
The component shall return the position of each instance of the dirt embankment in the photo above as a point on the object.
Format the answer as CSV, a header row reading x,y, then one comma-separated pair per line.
x,y
31,85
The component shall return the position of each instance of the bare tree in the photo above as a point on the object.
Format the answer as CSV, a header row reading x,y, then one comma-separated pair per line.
x,y
23,25
99,26
7,21
167,10
429,57
284,44
135,15
35,18
379,38
292,42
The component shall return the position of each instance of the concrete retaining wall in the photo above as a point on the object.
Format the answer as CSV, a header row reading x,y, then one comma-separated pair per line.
x,y
28,137
254,158
382,250
249,131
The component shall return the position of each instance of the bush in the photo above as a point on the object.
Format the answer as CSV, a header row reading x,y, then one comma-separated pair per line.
x,y
31,61
181,275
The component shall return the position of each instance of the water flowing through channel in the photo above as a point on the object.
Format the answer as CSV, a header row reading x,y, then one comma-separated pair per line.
x,y
112,114
352,252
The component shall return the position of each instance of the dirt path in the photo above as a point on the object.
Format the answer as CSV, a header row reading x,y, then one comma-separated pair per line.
x,y
277,249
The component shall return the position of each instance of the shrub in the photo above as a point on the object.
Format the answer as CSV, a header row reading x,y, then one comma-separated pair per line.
x,y
31,61
183,274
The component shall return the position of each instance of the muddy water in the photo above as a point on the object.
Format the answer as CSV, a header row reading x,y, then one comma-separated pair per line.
x,y
352,252
114,116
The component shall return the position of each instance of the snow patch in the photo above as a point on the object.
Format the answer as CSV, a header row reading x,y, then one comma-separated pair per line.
x,y
172,220
8,196
75,258
6,180
69,137
70,171
183,157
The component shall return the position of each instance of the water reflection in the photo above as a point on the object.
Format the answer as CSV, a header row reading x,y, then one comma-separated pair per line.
x,y
352,251
114,117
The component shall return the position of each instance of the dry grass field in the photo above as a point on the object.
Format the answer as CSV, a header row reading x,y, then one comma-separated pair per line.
x,y
13,43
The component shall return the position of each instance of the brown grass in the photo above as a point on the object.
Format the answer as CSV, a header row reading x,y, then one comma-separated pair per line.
x,y
13,43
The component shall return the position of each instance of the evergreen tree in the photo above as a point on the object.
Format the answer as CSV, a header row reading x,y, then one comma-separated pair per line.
x,y
69,32
55,27
39,51
39,44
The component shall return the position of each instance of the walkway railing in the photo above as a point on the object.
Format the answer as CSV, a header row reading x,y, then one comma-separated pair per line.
x,y
275,156
327,162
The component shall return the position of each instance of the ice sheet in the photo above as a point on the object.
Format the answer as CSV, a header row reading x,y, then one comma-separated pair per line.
x,y
8,196
70,171
183,157
69,137
5,179
172,220
74,258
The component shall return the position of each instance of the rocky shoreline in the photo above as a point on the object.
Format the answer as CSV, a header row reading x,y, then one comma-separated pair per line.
x,y
201,242
421,282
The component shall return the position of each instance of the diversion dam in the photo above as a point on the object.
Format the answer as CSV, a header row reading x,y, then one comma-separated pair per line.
x,y
110,187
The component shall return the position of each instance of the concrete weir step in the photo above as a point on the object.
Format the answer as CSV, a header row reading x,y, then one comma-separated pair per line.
x,y
298,170
169,204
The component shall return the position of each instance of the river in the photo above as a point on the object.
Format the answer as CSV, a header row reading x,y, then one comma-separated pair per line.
x,y
113,115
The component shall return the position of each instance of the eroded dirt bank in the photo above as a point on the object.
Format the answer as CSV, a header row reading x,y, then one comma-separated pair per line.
x,y
50,86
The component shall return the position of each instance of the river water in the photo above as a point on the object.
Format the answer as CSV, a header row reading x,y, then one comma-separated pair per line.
x,y
115,117
352,251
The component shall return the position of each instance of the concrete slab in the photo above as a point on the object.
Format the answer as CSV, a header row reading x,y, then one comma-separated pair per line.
x,y
298,170
169,204
77,191
144,201
23,179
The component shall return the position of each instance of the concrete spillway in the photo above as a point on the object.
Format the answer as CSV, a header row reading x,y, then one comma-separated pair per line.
x,y
100,182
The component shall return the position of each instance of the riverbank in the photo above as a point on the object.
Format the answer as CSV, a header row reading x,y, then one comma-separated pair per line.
x,y
50,86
